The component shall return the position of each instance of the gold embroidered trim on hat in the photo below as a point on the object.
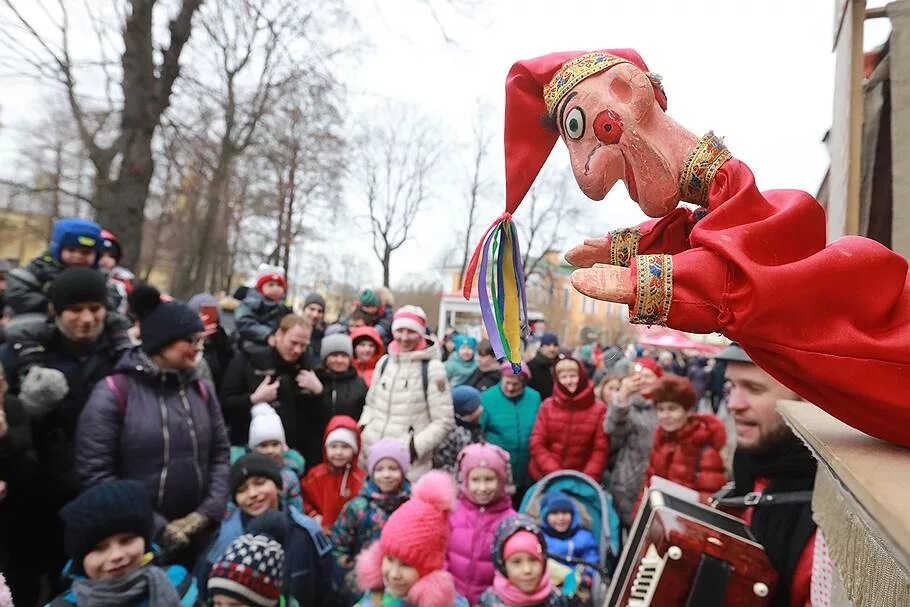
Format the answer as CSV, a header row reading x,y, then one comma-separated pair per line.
x,y
654,290
624,246
574,71
704,161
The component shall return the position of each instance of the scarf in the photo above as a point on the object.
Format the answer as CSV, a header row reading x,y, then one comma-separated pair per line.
x,y
782,530
513,597
459,370
147,581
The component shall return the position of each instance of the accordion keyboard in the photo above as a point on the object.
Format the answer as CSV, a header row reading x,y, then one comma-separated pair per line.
x,y
646,578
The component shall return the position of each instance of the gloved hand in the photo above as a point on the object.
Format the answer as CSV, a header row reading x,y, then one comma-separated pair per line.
x,y
41,390
178,533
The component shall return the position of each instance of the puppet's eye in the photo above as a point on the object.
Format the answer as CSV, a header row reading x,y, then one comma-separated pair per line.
x,y
575,123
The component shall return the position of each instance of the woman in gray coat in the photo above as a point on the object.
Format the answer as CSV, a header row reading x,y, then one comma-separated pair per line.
x,y
631,423
156,421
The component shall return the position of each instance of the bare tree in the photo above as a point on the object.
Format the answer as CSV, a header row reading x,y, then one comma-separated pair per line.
x,y
121,156
394,164
548,209
478,183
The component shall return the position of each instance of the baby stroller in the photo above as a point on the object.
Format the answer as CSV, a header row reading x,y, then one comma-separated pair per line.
x,y
597,512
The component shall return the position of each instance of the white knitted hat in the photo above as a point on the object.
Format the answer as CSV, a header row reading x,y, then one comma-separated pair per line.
x,y
265,425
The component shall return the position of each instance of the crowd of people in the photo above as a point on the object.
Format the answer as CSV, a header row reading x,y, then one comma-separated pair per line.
x,y
234,452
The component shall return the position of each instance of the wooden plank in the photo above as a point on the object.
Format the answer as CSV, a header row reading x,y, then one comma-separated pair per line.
x,y
875,472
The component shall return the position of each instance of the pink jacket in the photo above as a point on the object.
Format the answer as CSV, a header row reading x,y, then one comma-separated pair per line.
x,y
470,553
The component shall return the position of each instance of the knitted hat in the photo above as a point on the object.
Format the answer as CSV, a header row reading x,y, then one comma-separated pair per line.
x,y
650,363
523,541
113,507
110,245
556,502
314,298
368,297
250,571
74,232
254,464
517,525
342,435
549,339
390,448
417,533
265,425
75,286
162,322
410,317
268,273
465,400
506,368
337,343
464,340
484,455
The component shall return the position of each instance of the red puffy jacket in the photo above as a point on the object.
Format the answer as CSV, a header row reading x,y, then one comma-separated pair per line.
x,y
690,456
325,489
569,432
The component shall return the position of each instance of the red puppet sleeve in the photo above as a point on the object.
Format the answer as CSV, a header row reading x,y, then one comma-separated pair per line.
x,y
669,234
832,322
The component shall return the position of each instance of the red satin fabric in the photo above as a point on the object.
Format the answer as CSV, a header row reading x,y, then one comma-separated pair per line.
x,y
832,323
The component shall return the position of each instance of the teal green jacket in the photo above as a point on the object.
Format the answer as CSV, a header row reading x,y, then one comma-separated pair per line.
x,y
508,422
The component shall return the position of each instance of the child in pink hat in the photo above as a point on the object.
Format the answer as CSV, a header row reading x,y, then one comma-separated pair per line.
x,y
520,556
406,567
484,501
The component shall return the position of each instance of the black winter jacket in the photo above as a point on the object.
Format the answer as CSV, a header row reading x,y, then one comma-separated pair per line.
x,y
299,411
171,437
343,393
542,375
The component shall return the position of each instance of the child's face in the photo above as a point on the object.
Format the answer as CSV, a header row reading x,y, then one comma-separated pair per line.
x,y
610,388
671,416
483,485
466,352
388,476
339,362
398,576
116,555
471,418
487,361
569,380
371,310
365,349
559,521
107,261
524,571
339,454
256,495
314,313
225,601
272,448
273,290
77,256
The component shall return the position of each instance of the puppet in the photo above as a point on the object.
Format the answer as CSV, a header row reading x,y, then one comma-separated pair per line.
x,y
831,322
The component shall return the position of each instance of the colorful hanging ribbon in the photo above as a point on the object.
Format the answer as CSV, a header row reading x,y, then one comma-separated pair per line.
x,y
500,289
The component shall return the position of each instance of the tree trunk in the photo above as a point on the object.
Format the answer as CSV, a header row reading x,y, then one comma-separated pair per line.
x,y
386,267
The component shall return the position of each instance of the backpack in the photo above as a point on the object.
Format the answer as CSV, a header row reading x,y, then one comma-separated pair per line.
x,y
119,384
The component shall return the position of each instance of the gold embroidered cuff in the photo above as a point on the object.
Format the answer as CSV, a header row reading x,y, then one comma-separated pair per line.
x,y
654,290
701,166
624,246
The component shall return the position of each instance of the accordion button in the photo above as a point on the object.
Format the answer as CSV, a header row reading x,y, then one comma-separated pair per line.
x,y
674,552
760,589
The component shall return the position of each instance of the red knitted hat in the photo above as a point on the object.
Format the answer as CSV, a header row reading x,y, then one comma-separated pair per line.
x,y
268,277
650,363
418,532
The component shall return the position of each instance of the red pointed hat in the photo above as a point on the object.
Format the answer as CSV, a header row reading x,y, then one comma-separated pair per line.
x,y
533,89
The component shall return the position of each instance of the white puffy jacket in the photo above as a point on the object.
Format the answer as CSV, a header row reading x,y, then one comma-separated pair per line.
x,y
397,407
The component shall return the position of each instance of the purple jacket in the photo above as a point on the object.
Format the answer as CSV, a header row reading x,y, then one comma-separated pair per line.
x,y
470,553
170,437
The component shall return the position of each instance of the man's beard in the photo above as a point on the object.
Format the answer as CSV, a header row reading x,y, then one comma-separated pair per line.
x,y
770,441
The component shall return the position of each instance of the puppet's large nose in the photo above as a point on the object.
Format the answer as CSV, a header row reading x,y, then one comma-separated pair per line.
x,y
608,127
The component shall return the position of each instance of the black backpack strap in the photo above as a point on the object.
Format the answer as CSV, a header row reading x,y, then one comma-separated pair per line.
x,y
754,498
425,377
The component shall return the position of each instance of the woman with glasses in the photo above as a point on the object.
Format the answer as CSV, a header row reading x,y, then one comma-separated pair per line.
x,y
155,420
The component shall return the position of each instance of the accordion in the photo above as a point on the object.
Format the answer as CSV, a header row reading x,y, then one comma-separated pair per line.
x,y
683,554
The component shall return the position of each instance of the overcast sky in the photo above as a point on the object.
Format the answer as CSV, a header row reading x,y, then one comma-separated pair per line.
x,y
757,72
